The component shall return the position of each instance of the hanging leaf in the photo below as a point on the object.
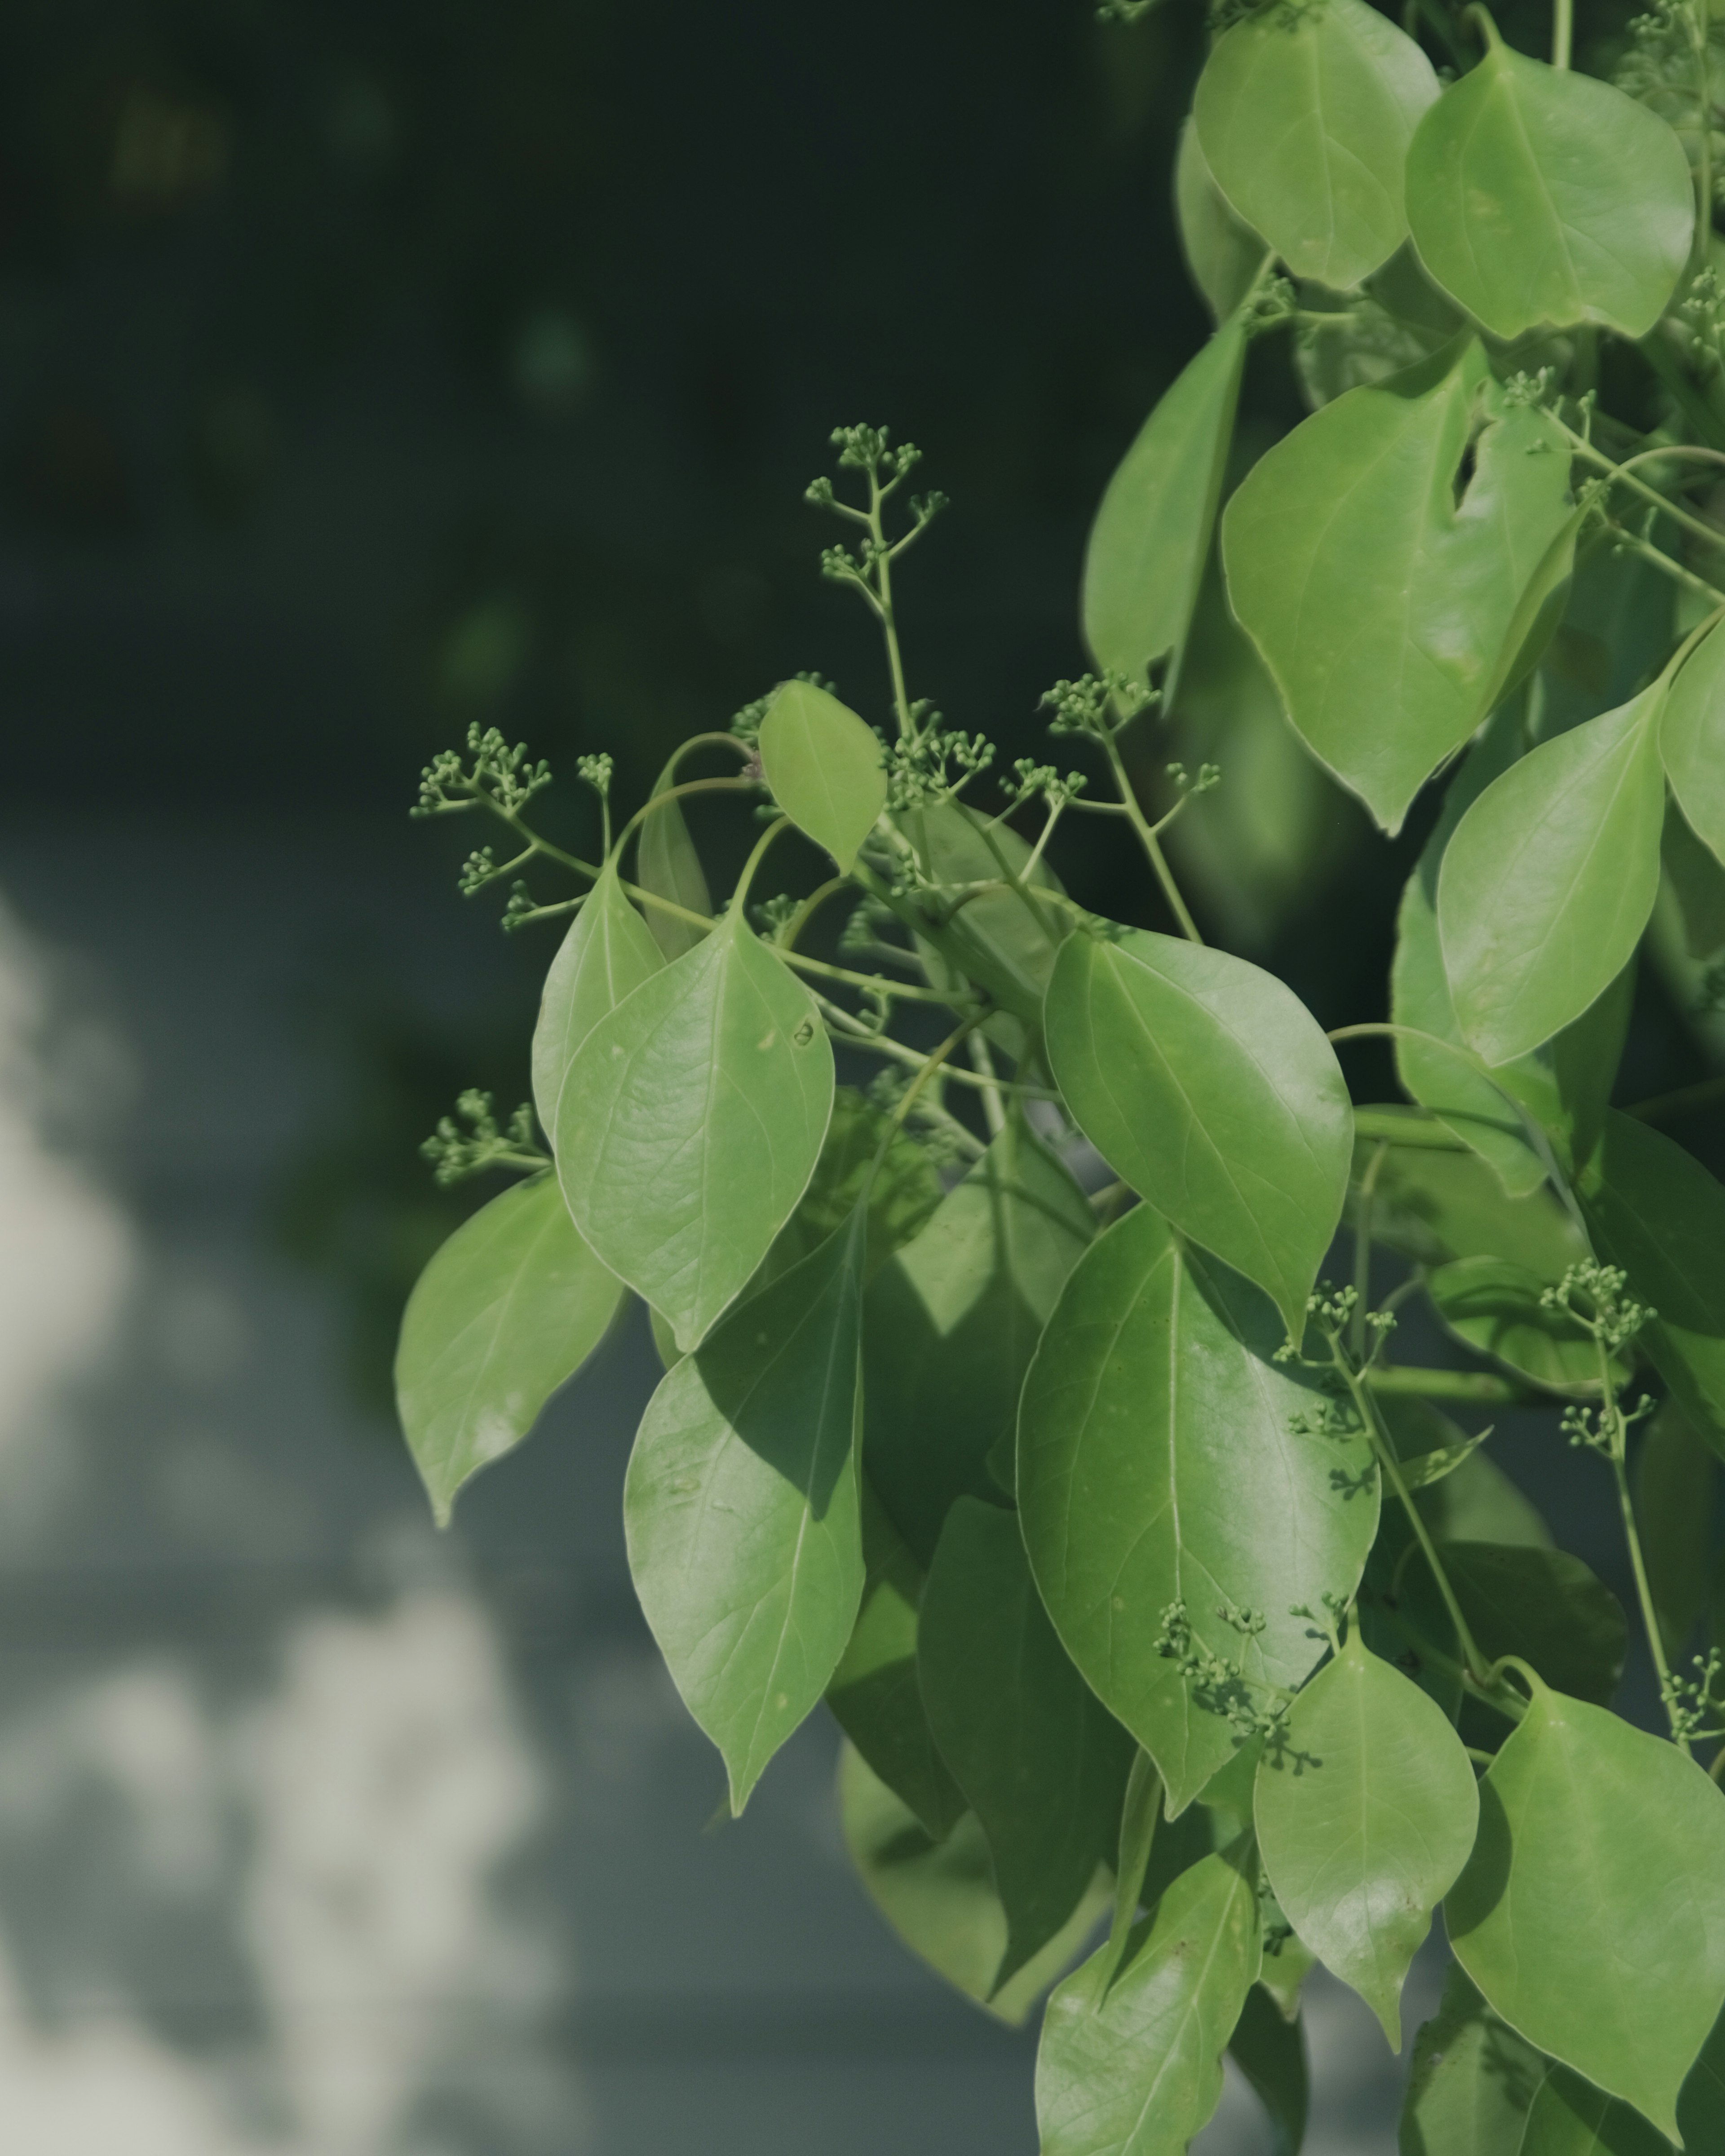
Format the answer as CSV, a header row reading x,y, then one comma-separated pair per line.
x,y
1495,1306
690,1121
1545,1606
1366,1812
1040,1763
740,1507
1549,879
1691,740
1536,195
1305,118
1591,1915
667,865
608,952
1674,1507
1168,1466
1222,255
1473,2080
1136,2071
825,768
1656,1212
939,1896
874,1694
507,1309
1381,590
953,1323
1209,1087
1434,1206
1152,535
1270,2050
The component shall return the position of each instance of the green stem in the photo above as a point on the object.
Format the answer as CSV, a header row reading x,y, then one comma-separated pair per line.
x,y
1622,475
1698,15
1153,849
1655,349
889,623
1634,543
1419,1133
993,1111
1697,1096
1469,1388
1617,1456
1363,1255
1562,33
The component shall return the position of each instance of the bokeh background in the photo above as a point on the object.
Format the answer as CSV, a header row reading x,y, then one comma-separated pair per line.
x,y
367,369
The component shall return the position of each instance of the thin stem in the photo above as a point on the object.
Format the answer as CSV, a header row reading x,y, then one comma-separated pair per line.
x,y
1644,1590
1622,475
889,623
1717,1771
1665,364
931,1065
804,913
1696,18
657,801
1677,1103
1148,840
1478,1387
1363,1255
993,1110
1632,543
1563,33
1415,1132
739,897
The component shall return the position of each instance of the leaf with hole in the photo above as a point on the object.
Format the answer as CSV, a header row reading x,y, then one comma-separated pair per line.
x,y
1365,1810
824,767
1538,196
1377,556
608,951
508,1309
1166,1459
1209,1087
1305,118
742,1508
690,1121
1039,1760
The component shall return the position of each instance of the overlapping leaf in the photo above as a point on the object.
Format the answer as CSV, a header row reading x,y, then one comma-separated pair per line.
x,y
1675,1502
1270,2050
1224,255
1539,196
1691,740
1545,1606
1209,1088
608,952
1386,611
507,1309
1434,1206
1166,1463
667,865
689,1123
825,768
1305,119
996,937
742,1508
1495,1306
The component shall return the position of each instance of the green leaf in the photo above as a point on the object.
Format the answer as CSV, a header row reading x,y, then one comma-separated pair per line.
x,y
1494,1306
1545,1606
1434,1206
1694,888
667,865
1538,197
1040,1763
1549,879
1305,120
1209,1088
1691,740
1270,2050
1570,2117
874,1694
1592,1911
1366,1812
1656,1212
1165,1458
952,1322
825,767
507,1309
1473,2080
1151,538
903,1193
1616,632
996,938
1222,255
1479,1503
1135,2069
1700,2109
691,1122
1674,1508
742,1508
608,951
939,1896
1383,606
1429,1445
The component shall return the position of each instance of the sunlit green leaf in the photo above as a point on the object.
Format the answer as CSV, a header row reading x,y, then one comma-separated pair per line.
x,y
1495,1306
1305,118
953,1323
1366,1812
1592,1911
1039,1761
939,1896
1165,1458
1674,1477
1151,538
1209,1088
826,769
1137,2070
742,1508
1223,254
874,1693
511,1306
1382,606
691,1122
1549,879
1657,1213
667,865
1536,195
1270,2050
608,951
1691,740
